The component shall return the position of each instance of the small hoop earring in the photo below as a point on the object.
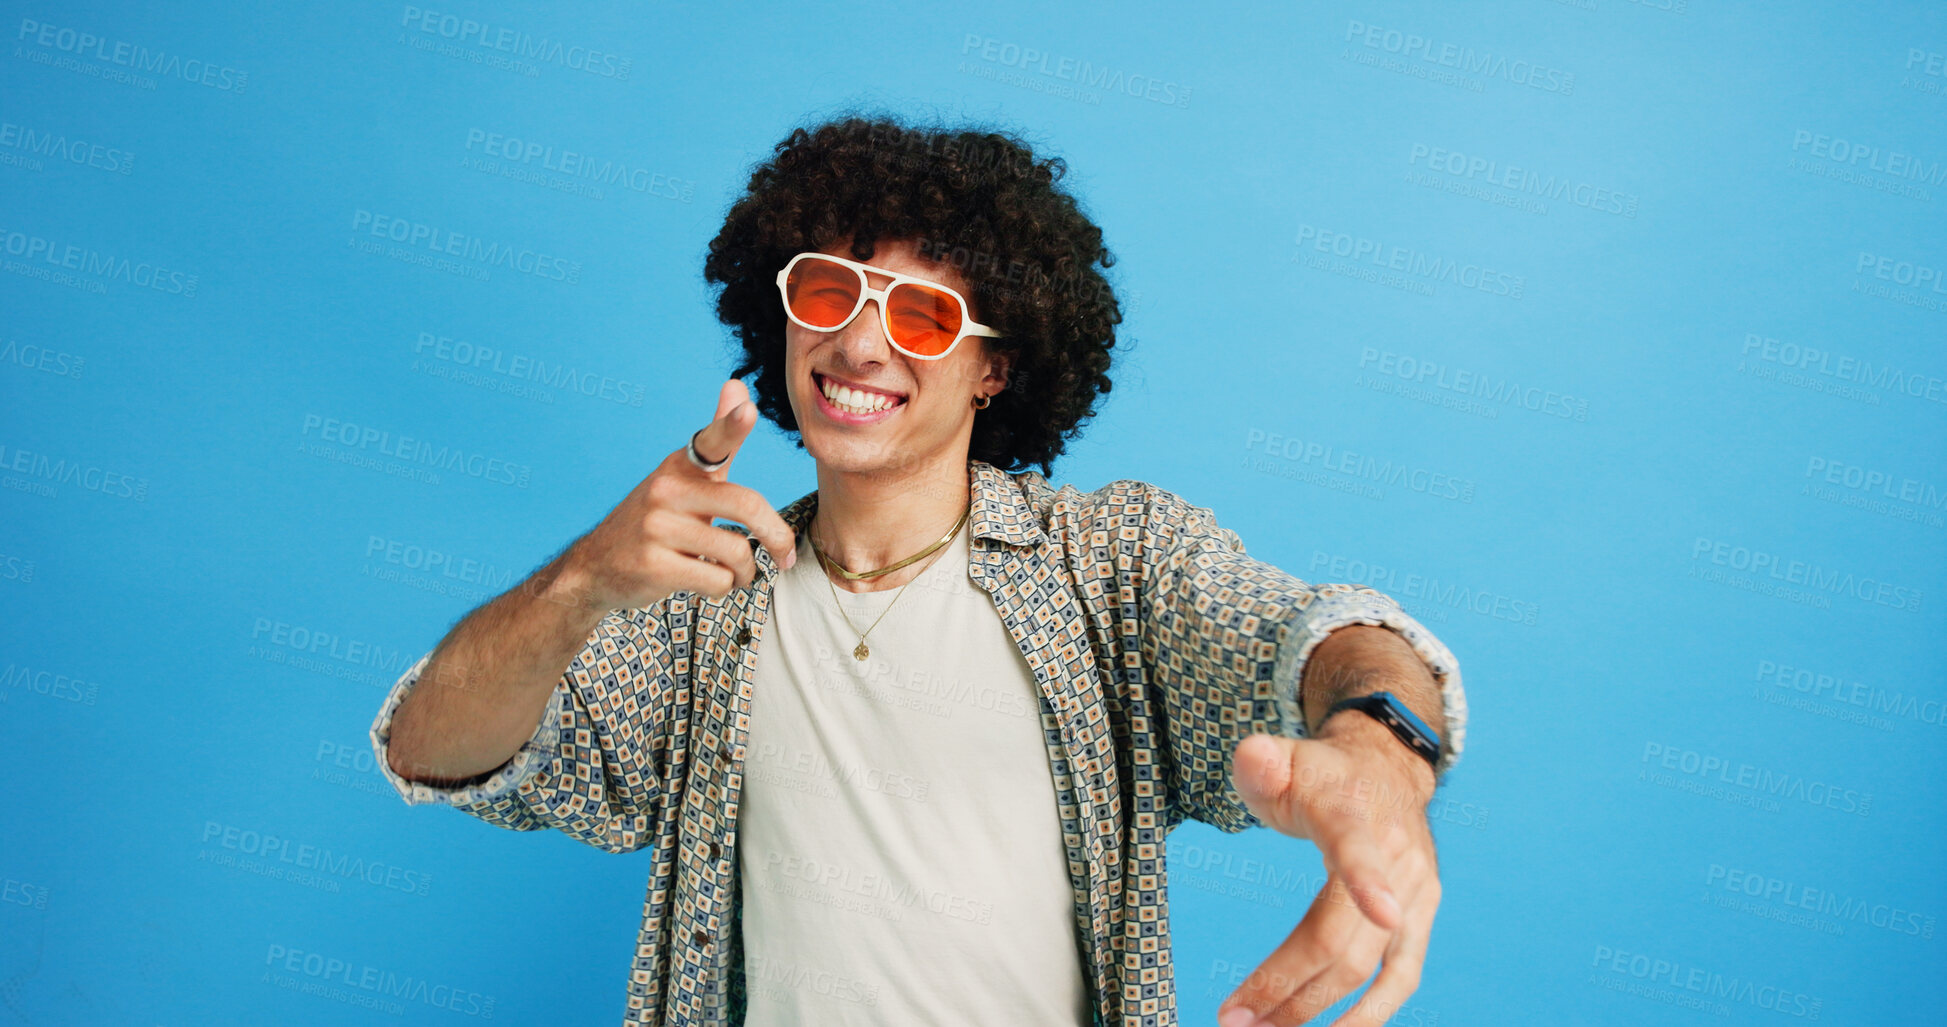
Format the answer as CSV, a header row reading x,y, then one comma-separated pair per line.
x,y
980,402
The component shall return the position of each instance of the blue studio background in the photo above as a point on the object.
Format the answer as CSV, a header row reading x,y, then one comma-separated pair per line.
x,y
1606,335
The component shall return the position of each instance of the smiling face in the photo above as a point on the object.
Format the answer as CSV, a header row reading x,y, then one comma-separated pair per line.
x,y
864,407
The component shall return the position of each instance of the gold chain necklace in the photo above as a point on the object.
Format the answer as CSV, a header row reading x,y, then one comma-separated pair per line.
x,y
861,651
889,568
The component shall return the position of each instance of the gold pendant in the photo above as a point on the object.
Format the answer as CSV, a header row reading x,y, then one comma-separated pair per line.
x,y
860,652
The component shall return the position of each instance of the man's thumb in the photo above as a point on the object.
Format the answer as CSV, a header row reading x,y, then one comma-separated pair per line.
x,y
725,434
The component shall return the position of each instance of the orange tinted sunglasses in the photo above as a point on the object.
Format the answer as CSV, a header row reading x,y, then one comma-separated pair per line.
x,y
922,319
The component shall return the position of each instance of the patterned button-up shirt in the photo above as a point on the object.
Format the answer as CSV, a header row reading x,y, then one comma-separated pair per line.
x,y
1157,644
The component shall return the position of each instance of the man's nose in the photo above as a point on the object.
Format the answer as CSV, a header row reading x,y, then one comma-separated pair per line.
x,y
864,340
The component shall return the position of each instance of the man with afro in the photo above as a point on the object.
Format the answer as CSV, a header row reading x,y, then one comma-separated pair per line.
x,y
908,749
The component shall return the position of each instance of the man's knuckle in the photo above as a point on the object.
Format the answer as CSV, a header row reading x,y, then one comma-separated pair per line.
x,y
751,504
655,561
660,489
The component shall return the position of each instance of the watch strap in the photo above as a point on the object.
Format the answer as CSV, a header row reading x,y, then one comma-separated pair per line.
x,y
1388,710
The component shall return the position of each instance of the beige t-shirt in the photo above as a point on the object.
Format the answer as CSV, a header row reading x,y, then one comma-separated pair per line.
x,y
900,848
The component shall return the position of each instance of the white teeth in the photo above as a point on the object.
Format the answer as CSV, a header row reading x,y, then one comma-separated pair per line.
x,y
854,401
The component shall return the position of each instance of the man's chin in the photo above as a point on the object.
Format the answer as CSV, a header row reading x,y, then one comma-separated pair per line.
x,y
867,458
834,451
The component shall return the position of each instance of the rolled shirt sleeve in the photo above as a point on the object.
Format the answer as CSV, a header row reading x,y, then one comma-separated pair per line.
x,y
486,789
1357,604
590,767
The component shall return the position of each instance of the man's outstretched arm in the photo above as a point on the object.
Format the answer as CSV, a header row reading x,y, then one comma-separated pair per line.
x,y
1360,795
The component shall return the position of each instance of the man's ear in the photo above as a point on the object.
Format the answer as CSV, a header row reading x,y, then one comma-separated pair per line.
x,y
1000,366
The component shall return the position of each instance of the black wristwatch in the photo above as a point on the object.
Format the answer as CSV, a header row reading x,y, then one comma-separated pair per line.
x,y
1382,707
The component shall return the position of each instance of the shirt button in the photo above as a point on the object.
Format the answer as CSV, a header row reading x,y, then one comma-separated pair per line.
x,y
743,636
716,851
701,938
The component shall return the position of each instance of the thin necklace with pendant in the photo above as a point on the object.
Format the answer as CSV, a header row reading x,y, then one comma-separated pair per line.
x,y
861,651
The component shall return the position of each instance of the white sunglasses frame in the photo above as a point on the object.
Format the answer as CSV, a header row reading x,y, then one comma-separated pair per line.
x,y
968,326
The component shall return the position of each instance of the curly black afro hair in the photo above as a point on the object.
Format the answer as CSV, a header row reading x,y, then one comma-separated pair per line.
x,y
979,200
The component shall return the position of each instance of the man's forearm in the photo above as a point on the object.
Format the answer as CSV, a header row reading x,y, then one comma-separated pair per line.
x,y
1360,659
488,681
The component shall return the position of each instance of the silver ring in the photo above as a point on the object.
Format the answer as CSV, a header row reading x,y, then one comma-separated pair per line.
x,y
701,464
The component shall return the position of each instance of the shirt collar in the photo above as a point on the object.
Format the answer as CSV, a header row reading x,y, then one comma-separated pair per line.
x,y
1001,510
